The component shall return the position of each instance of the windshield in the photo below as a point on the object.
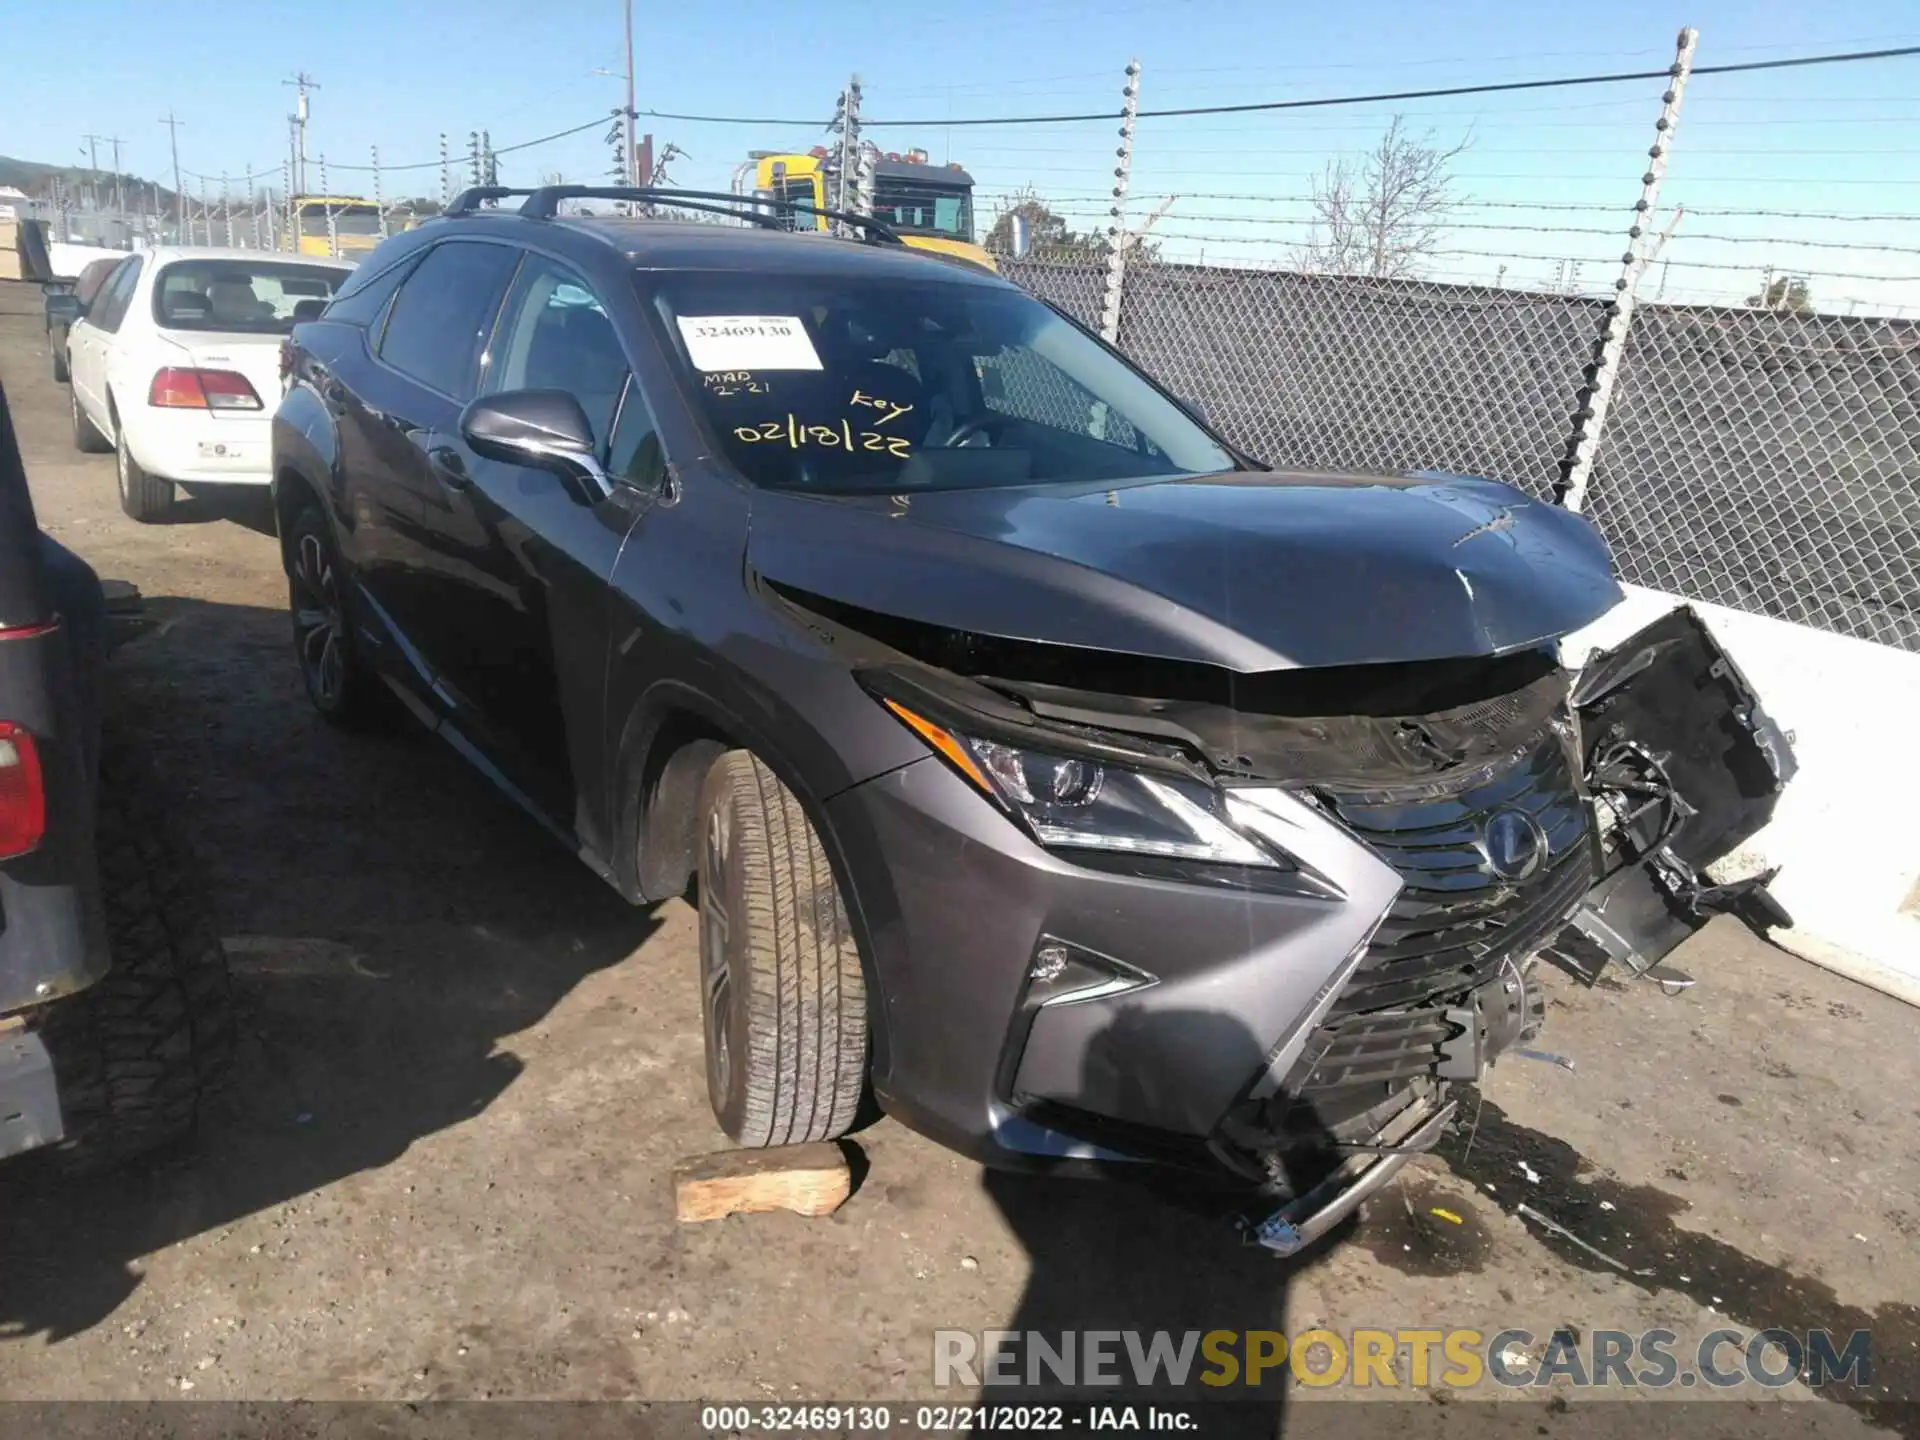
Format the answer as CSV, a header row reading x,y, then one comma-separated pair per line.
x,y
925,211
347,220
849,386
253,297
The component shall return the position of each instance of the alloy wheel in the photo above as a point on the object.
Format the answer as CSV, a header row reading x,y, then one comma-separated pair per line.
x,y
317,621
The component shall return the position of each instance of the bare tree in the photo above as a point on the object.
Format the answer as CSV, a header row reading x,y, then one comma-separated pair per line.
x,y
1383,215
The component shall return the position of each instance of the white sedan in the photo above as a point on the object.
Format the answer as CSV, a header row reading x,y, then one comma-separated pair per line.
x,y
176,365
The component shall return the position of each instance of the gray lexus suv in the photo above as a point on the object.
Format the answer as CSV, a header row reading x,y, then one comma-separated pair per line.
x,y
1097,795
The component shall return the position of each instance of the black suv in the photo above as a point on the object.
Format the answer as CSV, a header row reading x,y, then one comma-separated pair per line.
x,y
115,1011
1092,790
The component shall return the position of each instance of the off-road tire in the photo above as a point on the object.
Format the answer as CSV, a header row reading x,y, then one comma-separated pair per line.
x,y
87,438
344,689
138,1053
143,497
783,1000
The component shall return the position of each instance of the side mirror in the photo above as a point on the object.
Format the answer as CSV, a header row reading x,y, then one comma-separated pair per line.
x,y
64,306
544,429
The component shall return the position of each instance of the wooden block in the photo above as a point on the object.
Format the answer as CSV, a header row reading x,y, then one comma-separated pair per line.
x,y
807,1179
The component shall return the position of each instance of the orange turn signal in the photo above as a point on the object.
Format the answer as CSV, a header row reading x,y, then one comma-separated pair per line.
x,y
945,742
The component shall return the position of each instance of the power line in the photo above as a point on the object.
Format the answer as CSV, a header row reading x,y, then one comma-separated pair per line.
x,y
434,164
1498,87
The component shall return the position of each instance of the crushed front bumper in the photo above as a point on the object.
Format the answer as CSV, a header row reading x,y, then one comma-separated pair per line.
x,y
1297,1034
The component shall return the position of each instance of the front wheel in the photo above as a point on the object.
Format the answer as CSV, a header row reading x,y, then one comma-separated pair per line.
x,y
60,373
782,994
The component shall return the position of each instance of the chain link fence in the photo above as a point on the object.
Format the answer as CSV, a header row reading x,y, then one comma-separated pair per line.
x,y
1770,462
1765,461
1347,373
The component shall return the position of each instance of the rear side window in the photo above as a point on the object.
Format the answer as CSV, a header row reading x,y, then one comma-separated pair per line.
x,y
250,296
444,312
362,302
110,306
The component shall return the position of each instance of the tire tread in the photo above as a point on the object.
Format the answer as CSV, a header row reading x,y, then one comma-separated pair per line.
x,y
807,1021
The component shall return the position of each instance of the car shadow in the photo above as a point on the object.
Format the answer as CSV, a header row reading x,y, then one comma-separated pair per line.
x,y
390,919
1154,1257
250,506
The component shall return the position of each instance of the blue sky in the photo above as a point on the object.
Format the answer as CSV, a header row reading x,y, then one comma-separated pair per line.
x,y
1837,141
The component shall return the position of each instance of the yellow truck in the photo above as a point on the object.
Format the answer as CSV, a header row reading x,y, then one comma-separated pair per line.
x,y
346,226
929,206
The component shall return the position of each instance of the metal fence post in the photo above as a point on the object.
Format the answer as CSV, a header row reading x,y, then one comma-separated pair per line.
x,y
379,200
333,226
1117,227
226,211
206,210
290,228
446,175
1613,341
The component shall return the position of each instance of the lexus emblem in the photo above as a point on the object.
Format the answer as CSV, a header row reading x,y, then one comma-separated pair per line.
x,y
1513,844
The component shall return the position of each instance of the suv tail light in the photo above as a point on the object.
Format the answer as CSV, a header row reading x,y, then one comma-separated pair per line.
x,y
23,794
178,389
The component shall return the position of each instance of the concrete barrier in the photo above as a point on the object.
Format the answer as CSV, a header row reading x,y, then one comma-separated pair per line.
x,y
1847,831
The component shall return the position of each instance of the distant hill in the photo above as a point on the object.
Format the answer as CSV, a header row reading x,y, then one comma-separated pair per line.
x,y
37,179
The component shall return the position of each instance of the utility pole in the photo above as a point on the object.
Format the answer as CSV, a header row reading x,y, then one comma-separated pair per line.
x,y
1613,342
119,202
179,196
302,84
446,175
93,170
636,176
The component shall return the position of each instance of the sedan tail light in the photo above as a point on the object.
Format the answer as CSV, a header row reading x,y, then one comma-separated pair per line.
x,y
181,389
23,794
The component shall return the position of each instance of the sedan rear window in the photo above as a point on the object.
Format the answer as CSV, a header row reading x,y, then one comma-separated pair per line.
x,y
837,384
250,297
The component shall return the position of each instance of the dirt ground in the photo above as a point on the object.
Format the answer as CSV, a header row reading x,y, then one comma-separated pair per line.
x,y
467,1068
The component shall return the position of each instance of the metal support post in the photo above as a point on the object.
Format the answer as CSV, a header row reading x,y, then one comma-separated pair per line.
x,y
1613,342
1117,226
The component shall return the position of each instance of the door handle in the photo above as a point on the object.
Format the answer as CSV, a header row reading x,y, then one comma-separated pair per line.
x,y
448,465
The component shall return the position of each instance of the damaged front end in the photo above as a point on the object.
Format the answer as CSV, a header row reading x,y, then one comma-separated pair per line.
x,y
1461,818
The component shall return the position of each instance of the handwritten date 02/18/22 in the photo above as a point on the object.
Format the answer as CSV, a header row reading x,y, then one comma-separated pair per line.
x,y
834,437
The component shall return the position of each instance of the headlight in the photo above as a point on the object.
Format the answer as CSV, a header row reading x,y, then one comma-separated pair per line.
x,y
1070,801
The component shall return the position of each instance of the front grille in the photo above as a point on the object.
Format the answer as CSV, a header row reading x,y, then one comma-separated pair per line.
x,y
1455,921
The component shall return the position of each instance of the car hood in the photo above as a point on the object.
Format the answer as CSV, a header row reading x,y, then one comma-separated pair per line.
x,y
1249,571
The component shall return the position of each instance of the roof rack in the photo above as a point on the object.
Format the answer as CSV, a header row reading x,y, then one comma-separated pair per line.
x,y
544,204
469,201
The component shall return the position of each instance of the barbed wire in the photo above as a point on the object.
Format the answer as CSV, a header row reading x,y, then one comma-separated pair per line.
x,y
1499,87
